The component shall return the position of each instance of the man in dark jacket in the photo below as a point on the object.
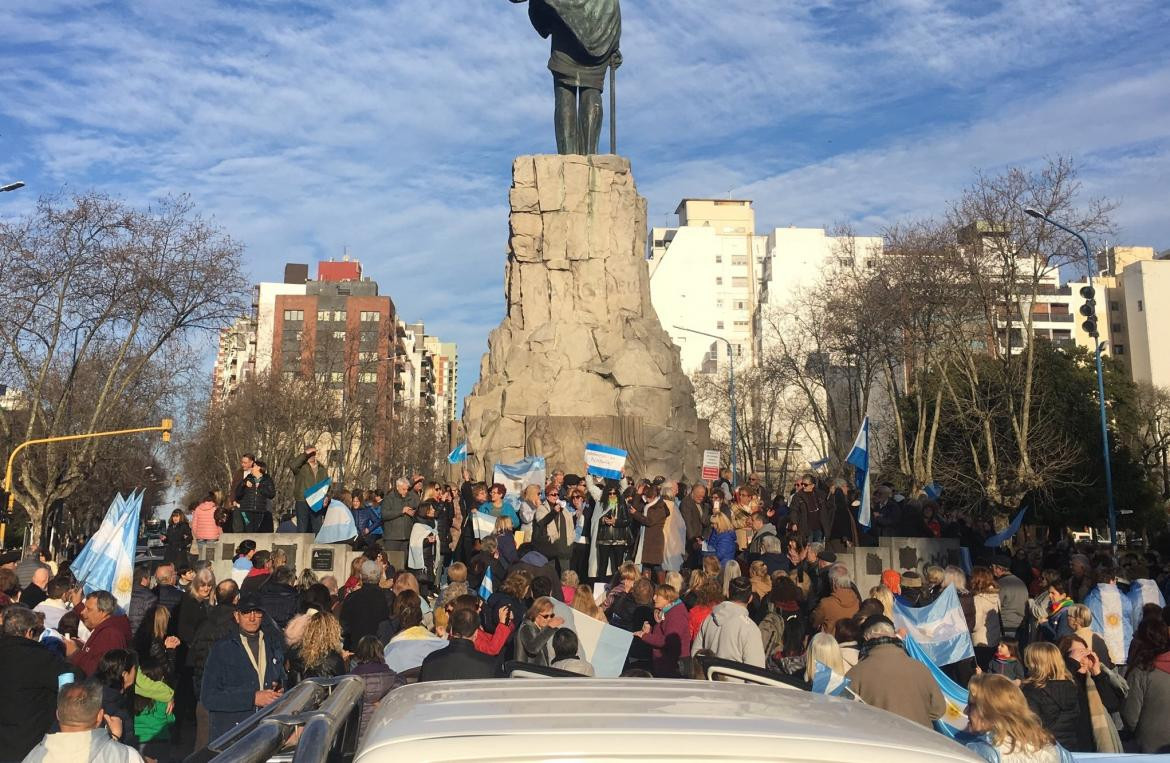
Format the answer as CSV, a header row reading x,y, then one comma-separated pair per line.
x,y
279,597
539,566
244,671
219,623
259,574
459,660
807,505
398,510
28,691
169,593
108,631
365,608
307,472
695,513
142,598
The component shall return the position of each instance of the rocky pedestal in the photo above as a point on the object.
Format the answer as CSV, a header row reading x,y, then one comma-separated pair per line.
x,y
581,356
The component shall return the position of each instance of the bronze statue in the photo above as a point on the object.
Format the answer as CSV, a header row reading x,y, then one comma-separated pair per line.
x,y
585,36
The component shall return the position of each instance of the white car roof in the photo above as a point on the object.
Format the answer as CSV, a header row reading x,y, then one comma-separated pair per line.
x,y
629,719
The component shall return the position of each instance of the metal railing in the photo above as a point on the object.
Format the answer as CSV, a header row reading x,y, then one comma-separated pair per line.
x,y
320,716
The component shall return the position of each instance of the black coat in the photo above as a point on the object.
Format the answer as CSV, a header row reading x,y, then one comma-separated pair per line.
x,y
362,612
457,661
191,615
178,542
279,602
28,694
332,666
254,494
170,596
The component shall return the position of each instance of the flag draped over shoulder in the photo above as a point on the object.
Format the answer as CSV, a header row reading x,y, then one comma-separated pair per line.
x,y
939,628
1112,619
338,525
107,561
859,458
954,719
1143,591
828,681
997,540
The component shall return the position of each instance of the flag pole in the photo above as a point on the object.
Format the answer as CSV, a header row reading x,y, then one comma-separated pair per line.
x,y
612,109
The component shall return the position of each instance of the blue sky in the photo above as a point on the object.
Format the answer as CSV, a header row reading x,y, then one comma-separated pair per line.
x,y
389,127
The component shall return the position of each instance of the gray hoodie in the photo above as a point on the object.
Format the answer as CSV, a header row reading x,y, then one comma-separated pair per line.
x,y
730,633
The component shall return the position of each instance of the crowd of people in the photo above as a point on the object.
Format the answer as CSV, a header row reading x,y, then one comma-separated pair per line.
x,y
454,581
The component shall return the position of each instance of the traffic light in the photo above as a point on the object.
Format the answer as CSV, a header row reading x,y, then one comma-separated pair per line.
x,y
167,425
1089,311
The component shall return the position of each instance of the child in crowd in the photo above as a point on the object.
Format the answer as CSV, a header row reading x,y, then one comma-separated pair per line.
x,y
154,705
1006,661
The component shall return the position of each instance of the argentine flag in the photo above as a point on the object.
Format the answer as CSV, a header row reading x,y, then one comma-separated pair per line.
x,y
487,585
515,477
110,564
604,460
939,628
1142,592
997,540
459,455
1112,619
100,539
338,525
859,458
954,719
828,681
315,495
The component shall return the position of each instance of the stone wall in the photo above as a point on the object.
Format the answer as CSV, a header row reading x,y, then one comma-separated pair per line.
x,y
581,341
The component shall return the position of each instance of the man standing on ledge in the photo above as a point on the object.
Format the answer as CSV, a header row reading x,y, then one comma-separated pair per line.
x,y
585,36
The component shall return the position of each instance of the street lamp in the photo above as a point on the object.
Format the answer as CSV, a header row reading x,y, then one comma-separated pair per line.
x,y
12,186
730,390
1094,335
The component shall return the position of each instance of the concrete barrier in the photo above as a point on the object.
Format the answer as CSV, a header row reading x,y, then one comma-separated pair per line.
x,y
322,558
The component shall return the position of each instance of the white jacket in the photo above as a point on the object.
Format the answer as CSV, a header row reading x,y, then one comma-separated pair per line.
x,y
730,633
94,746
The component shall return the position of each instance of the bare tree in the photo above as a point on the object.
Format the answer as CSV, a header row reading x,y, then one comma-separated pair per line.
x,y
94,293
1152,441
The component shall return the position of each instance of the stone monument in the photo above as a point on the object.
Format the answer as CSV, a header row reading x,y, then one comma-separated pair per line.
x,y
581,356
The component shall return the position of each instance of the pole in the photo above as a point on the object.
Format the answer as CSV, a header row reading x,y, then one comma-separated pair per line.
x,y
612,109
730,391
165,428
1100,386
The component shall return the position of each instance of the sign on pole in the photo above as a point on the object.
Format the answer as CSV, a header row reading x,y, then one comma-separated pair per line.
x,y
710,464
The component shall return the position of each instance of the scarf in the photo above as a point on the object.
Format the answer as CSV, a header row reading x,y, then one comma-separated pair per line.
x,y
1055,607
869,644
553,528
259,660
1104,732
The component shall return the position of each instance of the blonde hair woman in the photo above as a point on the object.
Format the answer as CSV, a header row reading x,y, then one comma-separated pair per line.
x,y
1053,695
886,597
823,648
584,603
319,654
760,579
1010,731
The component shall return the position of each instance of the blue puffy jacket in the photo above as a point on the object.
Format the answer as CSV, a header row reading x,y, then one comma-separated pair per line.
x,y
722,546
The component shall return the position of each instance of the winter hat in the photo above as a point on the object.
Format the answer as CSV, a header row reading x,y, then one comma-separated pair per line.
x,y
892,580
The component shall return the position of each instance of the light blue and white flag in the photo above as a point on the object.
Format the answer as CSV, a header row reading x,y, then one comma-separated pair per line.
x,y
338,525
859,458
818,463
954,719
487,585
1143,591
940,627
828,681
1112,619
515,477
111,563
933,491
106,532
459,455
603,645
997,540
315,495
604,460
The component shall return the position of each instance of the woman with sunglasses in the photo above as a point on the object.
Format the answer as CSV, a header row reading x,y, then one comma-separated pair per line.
x,y
534,639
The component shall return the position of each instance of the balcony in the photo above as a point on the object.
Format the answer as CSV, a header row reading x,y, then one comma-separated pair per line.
x,y
1053,317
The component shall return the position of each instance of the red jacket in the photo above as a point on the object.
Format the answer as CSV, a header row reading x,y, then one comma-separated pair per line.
x,y
113,633
492,643
669,640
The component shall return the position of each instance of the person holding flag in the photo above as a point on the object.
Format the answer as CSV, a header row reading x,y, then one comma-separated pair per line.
x,y
308,474
888,678
859,458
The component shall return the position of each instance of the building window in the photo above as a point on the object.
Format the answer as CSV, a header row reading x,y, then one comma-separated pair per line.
x,y
740,281
294,315
718,303
1119,349
740,304
331,315
369,336
719,259
741,324
368,378
339,335
367,356
286,375
1140,306
718,281
336,376
1114,306
1115,328
718,324
739,259
321,376
372,316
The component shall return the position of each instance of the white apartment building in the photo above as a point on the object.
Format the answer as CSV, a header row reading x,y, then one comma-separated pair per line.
x,y
704,275
1146,285
235,362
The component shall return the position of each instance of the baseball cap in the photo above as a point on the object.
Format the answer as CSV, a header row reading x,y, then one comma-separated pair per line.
x,y
249,602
